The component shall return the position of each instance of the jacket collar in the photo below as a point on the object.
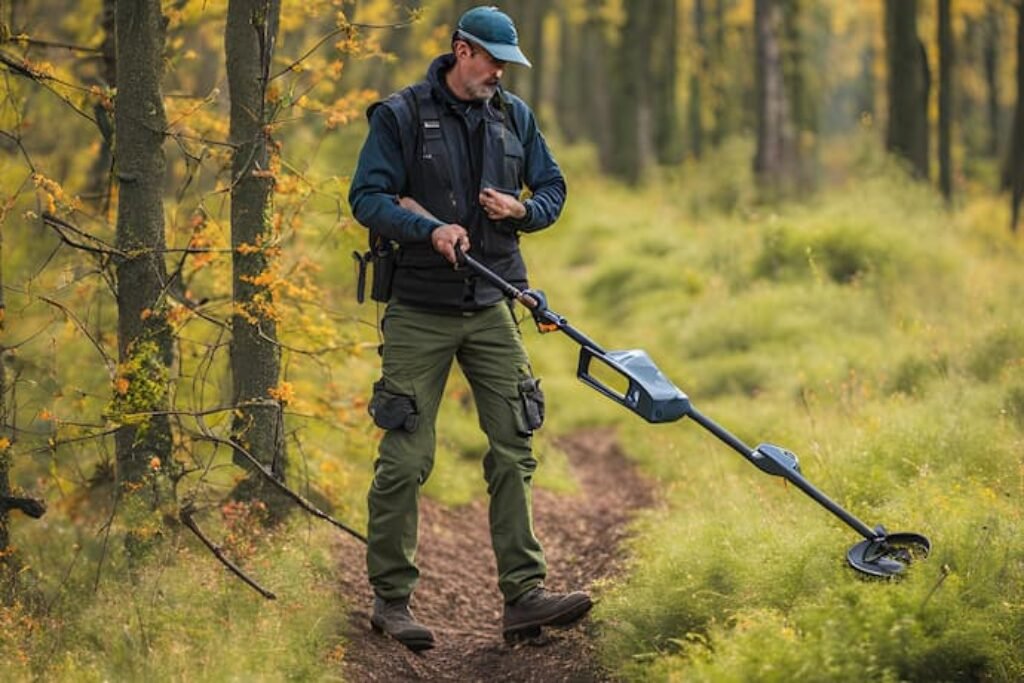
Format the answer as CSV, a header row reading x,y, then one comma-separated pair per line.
x,y
436,77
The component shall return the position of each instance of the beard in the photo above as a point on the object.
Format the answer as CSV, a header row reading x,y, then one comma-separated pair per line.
x,y
482,91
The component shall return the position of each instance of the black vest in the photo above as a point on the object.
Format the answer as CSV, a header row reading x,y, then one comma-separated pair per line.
x,y
427,128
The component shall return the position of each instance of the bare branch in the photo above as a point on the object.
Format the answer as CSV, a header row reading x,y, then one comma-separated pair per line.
x,y
37,42
111,365
32,507
338,31
186,518
60,225
280,485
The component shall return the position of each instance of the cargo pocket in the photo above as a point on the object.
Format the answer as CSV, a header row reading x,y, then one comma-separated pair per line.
x,y
391,410
531,402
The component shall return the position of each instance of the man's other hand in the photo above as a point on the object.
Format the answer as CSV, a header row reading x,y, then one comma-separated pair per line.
x,y
499,206
445,237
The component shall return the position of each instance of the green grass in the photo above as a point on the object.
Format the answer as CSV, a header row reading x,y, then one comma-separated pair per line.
x,y
875,334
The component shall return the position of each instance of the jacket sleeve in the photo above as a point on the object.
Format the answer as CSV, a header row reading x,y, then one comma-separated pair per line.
x,y
378,182
542,174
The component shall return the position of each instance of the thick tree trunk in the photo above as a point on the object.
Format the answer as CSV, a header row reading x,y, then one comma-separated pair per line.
x,y
774,162
145,344
946,61
909,82
258,425
1013,172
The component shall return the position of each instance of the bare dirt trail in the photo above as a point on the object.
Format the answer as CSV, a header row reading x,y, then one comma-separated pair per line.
x,y
457,596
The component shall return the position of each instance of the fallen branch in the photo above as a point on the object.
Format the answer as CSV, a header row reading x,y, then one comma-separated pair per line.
x,y
282,487
30,506
186,518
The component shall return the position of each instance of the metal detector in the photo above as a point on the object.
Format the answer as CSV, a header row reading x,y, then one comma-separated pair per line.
x,y
631,379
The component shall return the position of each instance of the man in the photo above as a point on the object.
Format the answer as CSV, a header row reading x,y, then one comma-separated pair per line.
x,y
442,168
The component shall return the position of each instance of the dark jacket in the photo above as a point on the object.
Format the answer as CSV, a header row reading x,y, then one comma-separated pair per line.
x,y
494,144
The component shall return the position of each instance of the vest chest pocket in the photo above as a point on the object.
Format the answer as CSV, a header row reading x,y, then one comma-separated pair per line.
x,y
503,164
432,148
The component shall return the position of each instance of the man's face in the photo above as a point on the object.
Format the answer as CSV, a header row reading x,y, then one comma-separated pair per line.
x,y
480,72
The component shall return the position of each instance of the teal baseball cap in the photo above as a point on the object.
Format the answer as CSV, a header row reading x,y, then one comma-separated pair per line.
x,y
494,31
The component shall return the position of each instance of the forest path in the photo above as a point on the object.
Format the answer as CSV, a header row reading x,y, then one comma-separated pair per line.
x,y
457,596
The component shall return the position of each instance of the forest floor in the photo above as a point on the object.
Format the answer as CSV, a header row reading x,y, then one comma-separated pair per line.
x,y
457,596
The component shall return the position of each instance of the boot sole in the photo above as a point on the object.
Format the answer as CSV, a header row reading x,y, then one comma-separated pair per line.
x,y
564,619
414,644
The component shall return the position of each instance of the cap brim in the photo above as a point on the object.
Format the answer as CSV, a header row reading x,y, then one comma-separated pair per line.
x,y
500,51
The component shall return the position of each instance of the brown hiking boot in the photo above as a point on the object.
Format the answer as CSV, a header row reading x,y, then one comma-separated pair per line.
x,y
394,618
540,607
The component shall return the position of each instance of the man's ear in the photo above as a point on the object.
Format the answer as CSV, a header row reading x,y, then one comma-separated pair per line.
x,y
461,48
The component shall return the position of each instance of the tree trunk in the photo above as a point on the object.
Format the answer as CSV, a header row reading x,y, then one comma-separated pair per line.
x,y
866,91
946,61
145,345
774,162
802,83
909,83
5,453
631,106
991,59
571,72
533,47
595,87
719,129
1013,172
99,176
664,83
258,424
700,72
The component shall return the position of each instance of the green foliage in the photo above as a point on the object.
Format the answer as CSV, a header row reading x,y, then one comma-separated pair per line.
x,y
204,624
997,350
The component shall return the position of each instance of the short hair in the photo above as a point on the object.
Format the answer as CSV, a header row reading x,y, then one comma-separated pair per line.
x,y
457,34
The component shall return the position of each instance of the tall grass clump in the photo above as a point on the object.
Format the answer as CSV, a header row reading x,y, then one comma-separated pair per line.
x,y
180,615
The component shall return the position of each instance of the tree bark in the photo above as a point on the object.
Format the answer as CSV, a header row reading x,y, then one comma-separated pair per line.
x,y
946,61
774,162
258,424
1013,172
909,83
145,345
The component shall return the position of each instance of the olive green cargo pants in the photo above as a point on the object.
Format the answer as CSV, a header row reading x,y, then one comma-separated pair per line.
x,y
419,346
